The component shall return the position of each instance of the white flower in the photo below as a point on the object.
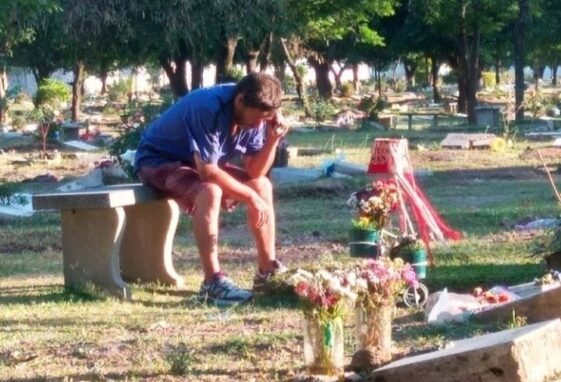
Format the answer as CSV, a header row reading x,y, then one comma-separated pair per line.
x,y
361,284
325,276
301,275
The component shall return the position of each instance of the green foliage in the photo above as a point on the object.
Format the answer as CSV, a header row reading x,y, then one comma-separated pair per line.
x,y
52,93
120,90
347,90
536,103
180,359
517,321
288,84
7,193
20,118
549,242
18,95
321,110
400,86
364,224
235,74
302,70
410,244
137,118
451,78
488,79
372,105
128,140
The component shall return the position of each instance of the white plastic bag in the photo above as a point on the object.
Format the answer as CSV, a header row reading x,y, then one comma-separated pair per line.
x,y
444,307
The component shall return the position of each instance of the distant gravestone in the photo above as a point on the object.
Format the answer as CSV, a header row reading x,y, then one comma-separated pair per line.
x,y
515,355
488,115
72,130
467,141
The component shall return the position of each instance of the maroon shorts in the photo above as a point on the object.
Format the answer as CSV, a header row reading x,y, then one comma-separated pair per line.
x,y
183,183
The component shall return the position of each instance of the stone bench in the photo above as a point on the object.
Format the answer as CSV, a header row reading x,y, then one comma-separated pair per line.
x,y
115,234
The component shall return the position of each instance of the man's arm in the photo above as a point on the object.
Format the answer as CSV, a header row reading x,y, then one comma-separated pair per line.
x,y
233,188
259,164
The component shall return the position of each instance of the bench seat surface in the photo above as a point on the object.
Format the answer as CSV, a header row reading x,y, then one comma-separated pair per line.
x,y
103,197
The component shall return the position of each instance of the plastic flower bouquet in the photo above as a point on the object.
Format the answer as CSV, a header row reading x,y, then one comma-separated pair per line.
x,y
324,296
372,205
378,283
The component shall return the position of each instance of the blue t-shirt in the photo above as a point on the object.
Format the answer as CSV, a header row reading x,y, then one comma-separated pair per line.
x,y
199,122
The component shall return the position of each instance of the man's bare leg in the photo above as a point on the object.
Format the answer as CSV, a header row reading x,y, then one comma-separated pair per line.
x,y
205,227
264,235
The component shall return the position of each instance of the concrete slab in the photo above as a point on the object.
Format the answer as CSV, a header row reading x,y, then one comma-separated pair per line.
x,y
467,141
537,303
81,145
515,355
105,197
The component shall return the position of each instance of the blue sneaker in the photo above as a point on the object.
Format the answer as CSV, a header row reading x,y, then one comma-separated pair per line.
x,y
223,291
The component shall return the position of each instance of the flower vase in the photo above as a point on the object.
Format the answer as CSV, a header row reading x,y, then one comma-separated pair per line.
x,y
374,332
418,259
323,346
363,242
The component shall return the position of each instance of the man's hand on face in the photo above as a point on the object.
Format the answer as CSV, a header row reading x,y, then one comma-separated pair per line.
x,y
277,126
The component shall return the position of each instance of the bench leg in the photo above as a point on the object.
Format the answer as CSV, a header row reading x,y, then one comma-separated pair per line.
x,y
146,250
90,246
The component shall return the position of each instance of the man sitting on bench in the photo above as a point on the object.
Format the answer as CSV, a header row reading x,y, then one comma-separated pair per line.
x,y
185,153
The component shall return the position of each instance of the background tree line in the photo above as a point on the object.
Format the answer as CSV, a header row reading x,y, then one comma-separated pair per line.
x,y
98,36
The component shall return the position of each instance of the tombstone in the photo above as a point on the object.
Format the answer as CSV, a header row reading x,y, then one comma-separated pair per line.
x,y
387,121
537,303
488,116
451,107
467,141
72,130
455,141
515,355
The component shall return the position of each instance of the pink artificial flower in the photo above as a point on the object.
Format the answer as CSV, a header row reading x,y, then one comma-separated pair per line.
x,y
409,275
302,289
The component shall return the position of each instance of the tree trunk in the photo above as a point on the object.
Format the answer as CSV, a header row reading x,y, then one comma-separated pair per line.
x,y
79,77
197,72
519,50
538,74
497,71
300,85
103,78
356,82
265,56
41,73
280,72
468,62
3,90
379,80
337,76
473,76
462,99
427,71
251,61
435,67
410,69
554,73
321,68
225,60
176,75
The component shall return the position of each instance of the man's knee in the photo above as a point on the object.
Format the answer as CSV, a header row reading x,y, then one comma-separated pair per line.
x,y
210,193
262,185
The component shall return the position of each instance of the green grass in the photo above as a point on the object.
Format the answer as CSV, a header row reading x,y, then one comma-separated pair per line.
x,y
50,333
